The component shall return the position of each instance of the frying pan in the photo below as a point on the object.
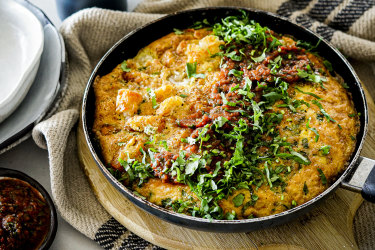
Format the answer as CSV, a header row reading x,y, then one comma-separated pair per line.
x,y
359,175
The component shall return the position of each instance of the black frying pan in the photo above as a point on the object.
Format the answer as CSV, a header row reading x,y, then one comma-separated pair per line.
x,y
128,47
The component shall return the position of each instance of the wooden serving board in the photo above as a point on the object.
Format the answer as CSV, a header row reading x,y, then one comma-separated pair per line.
x,y
329,226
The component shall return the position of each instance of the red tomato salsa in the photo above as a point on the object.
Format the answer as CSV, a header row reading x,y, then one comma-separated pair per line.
x,y
24,215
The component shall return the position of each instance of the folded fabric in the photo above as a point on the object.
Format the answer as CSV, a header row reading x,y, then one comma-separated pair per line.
x,y
88,34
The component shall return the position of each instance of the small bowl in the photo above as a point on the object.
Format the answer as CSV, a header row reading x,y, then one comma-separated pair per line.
x,y
5,172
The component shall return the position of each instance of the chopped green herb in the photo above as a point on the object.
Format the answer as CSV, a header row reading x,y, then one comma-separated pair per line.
x,y
191,69
226,102
124,66
238,200
345,85
230,216
322,110
233,55
328,65
164,144
308,46
178,32
322,176
325,149
312,129
200,24
305,189
309,76
236,73
295,156
260,58
294,203
183,96
308,93
152,95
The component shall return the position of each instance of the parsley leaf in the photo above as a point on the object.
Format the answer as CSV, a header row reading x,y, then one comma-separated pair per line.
x,y
178,32
261,57
152,95
325,149
322,110
124,66
309,76
322,176
238,200
312,129
328,65
305,189
295,156
308,93
236,73
191,70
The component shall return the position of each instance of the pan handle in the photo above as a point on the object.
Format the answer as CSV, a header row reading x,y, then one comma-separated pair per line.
x,y
362,179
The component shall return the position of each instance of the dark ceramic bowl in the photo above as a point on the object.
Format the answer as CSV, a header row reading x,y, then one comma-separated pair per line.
x,y
5,172
129,46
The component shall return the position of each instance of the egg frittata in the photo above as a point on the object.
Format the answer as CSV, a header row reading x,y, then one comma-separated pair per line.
x,y
228,120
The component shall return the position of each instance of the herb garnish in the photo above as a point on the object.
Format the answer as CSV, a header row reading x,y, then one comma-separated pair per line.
x,y
322,110
305,189
311,77
124,66
308,93
238,200
322,176
312,129
152,95
178,32
325,149
191,70
328,65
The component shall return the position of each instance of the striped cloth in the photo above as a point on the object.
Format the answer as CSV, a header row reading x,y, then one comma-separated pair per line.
x,y
348,24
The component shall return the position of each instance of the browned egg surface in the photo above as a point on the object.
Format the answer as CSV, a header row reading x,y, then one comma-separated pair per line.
x,y
177,110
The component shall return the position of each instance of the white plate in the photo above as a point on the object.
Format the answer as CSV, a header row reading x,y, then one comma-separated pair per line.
x,y
21,45
43,91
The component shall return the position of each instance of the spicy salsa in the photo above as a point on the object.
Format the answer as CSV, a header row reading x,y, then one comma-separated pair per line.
x,y
24,214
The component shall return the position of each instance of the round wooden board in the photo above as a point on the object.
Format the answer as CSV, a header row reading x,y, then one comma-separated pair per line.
x,y
329,226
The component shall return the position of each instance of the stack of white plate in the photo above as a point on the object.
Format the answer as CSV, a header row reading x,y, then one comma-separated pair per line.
x,y
31,67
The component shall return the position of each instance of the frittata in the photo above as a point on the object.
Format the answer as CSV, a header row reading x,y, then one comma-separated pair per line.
x,y
225,121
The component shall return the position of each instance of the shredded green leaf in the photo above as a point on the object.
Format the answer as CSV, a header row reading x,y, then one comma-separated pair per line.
x,y
323,111
178,32
152,95
312,129
124,66
308,93
325,149
238,200
322,176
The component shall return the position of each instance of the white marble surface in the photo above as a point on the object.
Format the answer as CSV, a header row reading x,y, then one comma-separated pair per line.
x,y
30,159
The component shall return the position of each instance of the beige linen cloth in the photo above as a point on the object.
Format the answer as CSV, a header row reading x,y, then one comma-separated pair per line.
x,y
349,25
